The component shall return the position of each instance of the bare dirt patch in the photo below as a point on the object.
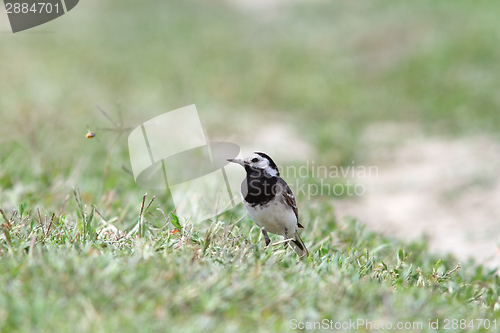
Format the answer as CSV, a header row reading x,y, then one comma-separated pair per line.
x,y
445,188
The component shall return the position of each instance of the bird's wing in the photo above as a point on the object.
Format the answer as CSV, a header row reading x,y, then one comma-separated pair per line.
x,y
289,199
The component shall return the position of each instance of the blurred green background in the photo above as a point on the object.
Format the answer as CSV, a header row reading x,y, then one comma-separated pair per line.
x,y
327,68
317,73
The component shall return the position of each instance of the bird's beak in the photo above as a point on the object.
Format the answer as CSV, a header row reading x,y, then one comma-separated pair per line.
x,y
235,160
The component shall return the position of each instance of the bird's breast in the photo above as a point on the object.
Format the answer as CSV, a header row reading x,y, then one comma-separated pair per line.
x,y
274,216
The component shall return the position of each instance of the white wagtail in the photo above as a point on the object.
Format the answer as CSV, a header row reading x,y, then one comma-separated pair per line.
x,y
269,200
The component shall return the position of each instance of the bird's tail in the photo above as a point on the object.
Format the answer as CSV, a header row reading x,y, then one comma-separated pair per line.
x,y
299,246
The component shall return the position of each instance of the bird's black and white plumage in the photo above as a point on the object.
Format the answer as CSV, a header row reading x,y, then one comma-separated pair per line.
x,y
269,200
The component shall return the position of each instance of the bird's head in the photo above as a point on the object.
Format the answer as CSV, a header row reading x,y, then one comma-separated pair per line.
x,y
258,161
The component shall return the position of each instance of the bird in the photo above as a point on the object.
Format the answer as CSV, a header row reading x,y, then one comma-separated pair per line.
x,y
269,201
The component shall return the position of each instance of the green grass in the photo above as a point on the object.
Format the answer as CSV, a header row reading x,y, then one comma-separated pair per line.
x,y
69,273
327,68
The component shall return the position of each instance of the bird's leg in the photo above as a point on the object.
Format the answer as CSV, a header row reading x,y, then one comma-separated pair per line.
x,y
266,236
286,237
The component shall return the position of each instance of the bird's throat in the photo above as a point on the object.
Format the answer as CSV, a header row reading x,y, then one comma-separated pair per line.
x,y
258,188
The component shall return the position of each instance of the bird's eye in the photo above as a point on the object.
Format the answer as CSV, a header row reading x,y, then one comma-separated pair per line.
x,y
255,160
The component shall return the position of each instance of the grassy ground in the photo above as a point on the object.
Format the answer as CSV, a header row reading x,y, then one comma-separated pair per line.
x,y
328,68
73,273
